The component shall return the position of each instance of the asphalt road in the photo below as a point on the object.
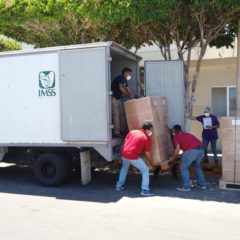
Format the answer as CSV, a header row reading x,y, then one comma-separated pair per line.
x,y
33,212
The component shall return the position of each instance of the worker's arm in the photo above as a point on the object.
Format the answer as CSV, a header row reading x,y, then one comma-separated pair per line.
x,y
149,158
130,92
216,122
190,117
175,154
215,126
125,91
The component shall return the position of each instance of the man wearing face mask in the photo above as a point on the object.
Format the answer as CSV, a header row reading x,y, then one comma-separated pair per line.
x,y
136,142
121,93
209,134
192,154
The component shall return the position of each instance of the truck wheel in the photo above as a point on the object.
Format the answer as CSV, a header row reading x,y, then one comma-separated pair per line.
x,y
51,169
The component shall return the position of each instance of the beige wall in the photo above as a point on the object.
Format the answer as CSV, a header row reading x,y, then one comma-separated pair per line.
x,y
213,73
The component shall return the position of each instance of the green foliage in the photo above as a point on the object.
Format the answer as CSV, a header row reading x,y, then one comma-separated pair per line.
x,y
8,45
46,22
226,36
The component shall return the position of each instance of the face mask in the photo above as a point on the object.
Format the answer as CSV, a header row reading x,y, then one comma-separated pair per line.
x,y
149,134
207,114
128,77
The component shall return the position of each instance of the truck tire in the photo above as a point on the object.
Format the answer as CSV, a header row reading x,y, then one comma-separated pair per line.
x,y
51,169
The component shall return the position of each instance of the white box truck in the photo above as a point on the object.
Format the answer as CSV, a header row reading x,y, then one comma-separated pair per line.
x,y
57,101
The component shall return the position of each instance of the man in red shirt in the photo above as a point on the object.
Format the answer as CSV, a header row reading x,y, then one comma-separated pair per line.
x,y
136,142
192,154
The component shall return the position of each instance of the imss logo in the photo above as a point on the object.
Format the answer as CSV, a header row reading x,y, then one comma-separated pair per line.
x,y
47,84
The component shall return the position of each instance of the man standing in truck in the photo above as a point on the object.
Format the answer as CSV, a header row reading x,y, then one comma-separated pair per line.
x,y
136,142
121,93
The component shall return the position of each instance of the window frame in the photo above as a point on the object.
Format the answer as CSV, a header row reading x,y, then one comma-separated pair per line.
x,y
227,95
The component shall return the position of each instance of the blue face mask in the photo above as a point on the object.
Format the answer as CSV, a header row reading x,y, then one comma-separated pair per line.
x,y
207,114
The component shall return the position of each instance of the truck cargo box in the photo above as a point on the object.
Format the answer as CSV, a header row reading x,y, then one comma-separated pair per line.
x,y
61,96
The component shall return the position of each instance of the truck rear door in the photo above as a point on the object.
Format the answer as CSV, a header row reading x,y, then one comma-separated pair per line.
x,y
84,96
166,78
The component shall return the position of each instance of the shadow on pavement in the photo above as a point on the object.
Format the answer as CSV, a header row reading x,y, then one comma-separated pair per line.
x,y
20,180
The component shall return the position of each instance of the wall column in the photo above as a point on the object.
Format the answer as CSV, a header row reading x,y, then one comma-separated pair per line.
x,y
238,71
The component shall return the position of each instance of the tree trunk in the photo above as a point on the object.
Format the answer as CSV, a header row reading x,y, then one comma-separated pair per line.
x,y
192,97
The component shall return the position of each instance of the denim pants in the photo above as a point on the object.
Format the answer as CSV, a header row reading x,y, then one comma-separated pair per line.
x,y
194,157
213,146
139,164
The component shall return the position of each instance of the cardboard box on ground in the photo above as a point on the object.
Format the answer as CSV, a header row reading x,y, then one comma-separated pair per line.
x,y
230,131
154,110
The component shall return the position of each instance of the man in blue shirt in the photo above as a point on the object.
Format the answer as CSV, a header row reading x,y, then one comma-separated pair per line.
x,y
121,93
209,134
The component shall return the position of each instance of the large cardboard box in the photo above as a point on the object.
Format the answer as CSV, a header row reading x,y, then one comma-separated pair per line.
x,y
230,132
154,110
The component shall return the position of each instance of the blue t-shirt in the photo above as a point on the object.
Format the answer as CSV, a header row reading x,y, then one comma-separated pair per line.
x,y
115,86
209,133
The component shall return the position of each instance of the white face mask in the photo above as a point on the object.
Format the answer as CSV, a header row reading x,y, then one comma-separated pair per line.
x,y
207,114
149,133
128,77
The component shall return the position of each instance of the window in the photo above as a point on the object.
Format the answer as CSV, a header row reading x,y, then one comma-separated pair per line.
x,y
224,101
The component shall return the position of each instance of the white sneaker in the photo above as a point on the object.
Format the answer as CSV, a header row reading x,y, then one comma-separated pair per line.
x,y
183,189
119,188
146,193
200,186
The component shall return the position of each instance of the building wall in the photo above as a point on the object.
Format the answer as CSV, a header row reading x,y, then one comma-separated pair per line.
x,y
153,53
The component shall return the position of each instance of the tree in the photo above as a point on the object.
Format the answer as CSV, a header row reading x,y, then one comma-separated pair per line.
x,y
190,24
70,29
45,23
185,23
8,45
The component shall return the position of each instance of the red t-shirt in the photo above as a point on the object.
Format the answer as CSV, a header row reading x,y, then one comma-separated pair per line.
x,y
186,141
135,143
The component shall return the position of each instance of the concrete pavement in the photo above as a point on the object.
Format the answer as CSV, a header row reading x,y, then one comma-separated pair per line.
x,y
33,212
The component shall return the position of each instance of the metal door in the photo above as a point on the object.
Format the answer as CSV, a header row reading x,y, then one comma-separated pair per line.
x,y
84,95
166,78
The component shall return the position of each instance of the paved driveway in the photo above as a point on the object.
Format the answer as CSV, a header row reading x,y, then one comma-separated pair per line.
x,y
33,212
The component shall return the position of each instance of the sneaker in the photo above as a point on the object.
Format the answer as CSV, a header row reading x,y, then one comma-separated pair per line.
x,y
200,186
146,193
119,188
183,189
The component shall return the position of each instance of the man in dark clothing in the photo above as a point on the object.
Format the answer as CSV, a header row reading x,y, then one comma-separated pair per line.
x,y
192,155
121,93
209,134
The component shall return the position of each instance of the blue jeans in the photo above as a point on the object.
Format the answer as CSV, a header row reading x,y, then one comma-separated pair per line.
x,y
193,156
213,146
139,164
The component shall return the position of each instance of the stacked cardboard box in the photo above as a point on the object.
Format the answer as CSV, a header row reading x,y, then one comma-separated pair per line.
x,y
230,132
154,110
